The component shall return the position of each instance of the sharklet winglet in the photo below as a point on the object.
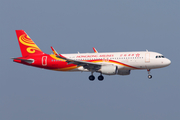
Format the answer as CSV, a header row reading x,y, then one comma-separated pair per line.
x,y
54,51
95,50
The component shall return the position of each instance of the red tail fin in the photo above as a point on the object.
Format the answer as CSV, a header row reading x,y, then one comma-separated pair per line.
x,y
27,46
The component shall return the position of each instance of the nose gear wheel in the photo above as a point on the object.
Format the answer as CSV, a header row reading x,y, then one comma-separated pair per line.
x,y
149,76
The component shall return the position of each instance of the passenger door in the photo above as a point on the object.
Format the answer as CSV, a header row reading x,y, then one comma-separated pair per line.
x,y
44,60
147,57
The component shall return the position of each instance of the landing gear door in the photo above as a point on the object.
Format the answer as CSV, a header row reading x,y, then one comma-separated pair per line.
x,y
44,61
147,57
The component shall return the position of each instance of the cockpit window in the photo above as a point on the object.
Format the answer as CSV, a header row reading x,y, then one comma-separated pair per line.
x,y
160,56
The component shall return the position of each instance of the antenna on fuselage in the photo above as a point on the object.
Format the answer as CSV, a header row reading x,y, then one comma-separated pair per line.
x,y
147,50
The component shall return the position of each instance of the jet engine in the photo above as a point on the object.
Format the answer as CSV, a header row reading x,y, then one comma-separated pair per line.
x,y
123,72
108,69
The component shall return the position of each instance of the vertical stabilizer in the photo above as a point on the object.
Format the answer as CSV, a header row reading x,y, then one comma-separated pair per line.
x,y
27,46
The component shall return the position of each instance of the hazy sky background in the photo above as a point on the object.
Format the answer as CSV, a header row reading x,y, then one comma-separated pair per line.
x,y
28,93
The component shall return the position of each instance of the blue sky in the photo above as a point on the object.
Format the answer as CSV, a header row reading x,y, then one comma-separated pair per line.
x,y
77,25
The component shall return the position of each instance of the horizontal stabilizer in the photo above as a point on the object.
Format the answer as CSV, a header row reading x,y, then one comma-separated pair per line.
x,y
24,60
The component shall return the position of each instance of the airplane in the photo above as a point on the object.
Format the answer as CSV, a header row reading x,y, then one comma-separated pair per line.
x,y
109,63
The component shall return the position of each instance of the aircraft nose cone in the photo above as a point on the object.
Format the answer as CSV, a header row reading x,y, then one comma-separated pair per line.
x,y
167,62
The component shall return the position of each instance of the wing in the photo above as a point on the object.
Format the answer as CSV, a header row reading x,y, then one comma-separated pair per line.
x,y
87,65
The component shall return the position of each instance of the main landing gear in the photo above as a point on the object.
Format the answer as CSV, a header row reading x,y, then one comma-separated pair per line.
x,y
149,76
100,78
92,78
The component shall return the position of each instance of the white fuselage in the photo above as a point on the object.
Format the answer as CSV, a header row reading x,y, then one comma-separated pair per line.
x,y
124,60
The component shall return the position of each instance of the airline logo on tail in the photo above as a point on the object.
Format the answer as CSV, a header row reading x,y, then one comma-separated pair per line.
x,y
27,46
31,46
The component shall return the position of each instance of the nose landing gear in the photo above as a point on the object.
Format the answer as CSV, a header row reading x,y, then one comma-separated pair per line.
x,y
149,76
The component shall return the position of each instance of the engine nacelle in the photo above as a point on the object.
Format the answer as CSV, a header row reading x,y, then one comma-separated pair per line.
x,y
123,72
108,69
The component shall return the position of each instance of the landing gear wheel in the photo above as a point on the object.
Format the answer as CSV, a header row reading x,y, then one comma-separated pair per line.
x,y
91,77
100,78
149,76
